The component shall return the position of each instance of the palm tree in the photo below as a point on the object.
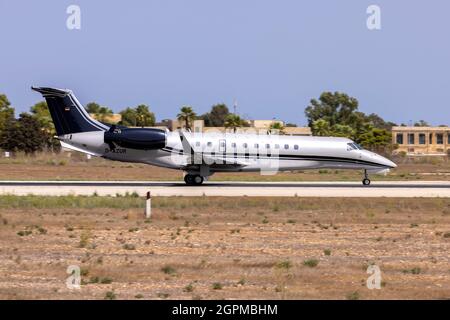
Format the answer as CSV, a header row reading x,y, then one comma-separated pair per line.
x,y
234,121
187,115
321,127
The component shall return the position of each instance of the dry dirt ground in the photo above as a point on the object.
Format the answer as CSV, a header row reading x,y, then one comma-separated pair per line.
x,y
224,248
75,166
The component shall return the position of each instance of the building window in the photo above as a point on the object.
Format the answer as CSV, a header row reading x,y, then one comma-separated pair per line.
x,y
430,140
448,138
296,146
197,143
209,144
286,146
245,145
267,146
410,138
256,146
277,146
233,145
421,138
399,138
439,138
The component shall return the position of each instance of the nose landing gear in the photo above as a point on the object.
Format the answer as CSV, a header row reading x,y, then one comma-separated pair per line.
x,y
366,180
193,179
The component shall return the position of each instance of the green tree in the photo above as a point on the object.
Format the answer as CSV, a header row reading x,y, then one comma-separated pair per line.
x,y
41,113
321,127
276,127
129,117
145,118
24,134
421,123
335,108
141,116
93,107
216,117
102,113
186,115
343,130
6,112
235,121
336,114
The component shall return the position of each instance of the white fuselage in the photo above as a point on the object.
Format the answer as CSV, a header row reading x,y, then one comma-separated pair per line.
x,y
238,152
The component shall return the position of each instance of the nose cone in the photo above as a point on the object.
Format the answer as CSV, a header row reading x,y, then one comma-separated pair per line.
x,y
387,162
380,160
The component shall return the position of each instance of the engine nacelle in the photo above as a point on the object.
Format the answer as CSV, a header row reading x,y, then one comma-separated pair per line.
x,y
136,138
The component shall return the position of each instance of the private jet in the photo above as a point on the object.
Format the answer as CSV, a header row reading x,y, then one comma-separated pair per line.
x,y
200,155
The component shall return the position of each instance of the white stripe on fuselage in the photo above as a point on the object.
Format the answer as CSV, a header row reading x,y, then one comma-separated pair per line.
x,y
312,152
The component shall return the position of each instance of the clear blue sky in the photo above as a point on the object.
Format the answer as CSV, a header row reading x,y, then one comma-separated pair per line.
x,y
272,56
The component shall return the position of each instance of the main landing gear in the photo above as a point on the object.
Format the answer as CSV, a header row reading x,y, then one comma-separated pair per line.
x,y
193,179
366,180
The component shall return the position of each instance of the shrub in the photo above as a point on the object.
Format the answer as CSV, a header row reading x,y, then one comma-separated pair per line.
x,y
353,295
285,264
110,295
129,246
311,263
217,286
168,270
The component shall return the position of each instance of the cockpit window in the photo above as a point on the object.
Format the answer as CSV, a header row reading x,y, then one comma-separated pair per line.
x,y
353,146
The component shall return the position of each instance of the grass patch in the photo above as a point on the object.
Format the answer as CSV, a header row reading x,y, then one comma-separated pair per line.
x,y
285,264
311,263
168,270
110,295
217,286
415,270
353,295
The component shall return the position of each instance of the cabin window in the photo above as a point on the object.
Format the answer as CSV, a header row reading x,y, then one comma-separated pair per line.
x,y
295,146
286,146
245,145
209,144
267,146
410,138
233,145
439,138
421,138
197,143
277,146
399,138
256,146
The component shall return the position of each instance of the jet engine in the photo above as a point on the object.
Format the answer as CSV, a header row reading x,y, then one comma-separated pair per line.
x,y
135,138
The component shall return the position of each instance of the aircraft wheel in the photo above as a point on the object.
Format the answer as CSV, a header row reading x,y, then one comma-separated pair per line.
x,y
193,180
189,179
198,180
366,181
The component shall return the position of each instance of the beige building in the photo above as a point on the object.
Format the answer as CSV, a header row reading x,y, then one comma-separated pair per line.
x,y
113,118
421,140
256,126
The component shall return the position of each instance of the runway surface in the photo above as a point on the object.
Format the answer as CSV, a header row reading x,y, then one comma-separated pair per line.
x,y
260,189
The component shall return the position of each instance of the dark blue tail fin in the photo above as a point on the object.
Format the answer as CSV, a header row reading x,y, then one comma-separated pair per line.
x,y
68,115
